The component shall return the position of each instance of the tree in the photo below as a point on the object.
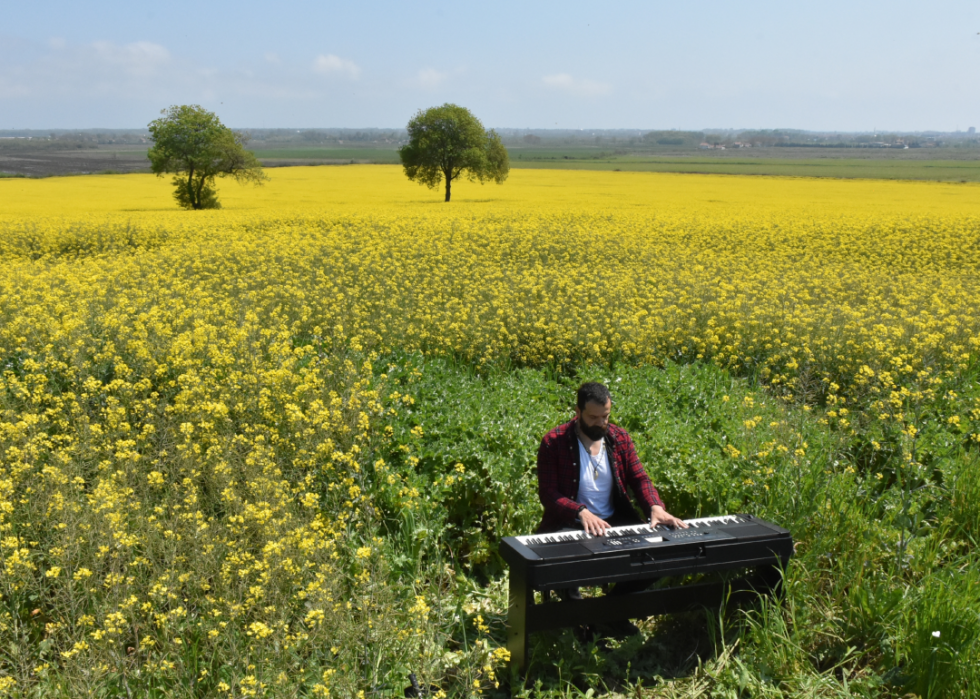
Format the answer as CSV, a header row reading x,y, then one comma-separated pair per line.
x,y
446,142
196,147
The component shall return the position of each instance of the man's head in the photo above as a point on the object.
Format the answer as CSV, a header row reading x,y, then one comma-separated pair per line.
x,y
592,409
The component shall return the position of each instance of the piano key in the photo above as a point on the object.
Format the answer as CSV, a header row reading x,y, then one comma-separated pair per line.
x,y
702,524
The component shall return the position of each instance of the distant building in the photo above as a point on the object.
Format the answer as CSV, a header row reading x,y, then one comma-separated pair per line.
x,y
972,130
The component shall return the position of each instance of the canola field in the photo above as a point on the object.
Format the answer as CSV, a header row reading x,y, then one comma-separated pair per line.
x,y
269,450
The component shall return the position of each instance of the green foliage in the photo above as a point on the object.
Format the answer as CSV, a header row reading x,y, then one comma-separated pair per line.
x,y
196,147
480,437
195,193
476,453
447,142
884,546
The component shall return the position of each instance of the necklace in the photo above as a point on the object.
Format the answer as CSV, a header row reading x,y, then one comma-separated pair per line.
x,y
595,461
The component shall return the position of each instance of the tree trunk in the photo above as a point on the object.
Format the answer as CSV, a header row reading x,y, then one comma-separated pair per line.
x,y
190,185
449,185
200,186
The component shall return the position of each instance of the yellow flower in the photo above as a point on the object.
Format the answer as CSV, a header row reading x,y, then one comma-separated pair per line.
x,y
259,630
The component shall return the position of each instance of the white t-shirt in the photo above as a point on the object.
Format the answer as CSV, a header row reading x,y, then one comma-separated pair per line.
x,y
595,492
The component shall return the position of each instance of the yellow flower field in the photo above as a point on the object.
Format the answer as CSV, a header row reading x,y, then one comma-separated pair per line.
x,y
848,281
363,188
185,435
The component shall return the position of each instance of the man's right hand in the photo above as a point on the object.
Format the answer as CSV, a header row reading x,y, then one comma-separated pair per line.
x,y
594,525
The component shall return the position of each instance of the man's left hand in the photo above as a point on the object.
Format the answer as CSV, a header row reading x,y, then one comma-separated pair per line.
x,y
659,515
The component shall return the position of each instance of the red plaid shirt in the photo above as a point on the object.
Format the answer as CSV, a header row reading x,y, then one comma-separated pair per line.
x,y
558,474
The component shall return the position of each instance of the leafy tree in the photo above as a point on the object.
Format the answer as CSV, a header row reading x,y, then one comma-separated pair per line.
x,y
448,141
196,147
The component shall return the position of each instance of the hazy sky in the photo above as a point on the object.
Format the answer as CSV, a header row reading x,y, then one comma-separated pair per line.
x,y
825,65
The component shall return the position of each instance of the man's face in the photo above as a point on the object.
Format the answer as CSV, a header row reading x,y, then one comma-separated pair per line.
x,y
594,419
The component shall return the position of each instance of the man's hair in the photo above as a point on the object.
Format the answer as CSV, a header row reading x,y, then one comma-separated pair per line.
x,y
593,392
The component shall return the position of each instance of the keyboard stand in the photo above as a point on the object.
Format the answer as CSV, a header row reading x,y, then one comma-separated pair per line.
x,y
524,617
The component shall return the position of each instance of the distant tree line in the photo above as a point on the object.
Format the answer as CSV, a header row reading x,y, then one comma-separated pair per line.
x,y
674,138
618,139
671,140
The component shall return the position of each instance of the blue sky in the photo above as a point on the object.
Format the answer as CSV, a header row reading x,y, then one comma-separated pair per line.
x,y
850,66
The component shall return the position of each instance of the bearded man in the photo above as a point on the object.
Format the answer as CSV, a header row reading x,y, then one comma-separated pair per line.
x,y
584,469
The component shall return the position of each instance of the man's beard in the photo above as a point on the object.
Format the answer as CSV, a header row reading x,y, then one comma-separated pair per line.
x,y
593,432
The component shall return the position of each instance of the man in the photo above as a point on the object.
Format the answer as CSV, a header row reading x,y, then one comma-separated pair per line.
x,y
584,468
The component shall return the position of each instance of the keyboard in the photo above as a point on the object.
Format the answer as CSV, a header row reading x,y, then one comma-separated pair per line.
x,y
640,552
636,535
569,559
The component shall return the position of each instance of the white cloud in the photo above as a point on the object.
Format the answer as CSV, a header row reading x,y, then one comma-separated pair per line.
x,y
578,87
97,68
430,78
62,84
118,78
273,58
334,65
141,58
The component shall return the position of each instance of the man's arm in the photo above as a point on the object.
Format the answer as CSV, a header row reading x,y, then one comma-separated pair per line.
x,y
555,503
639,482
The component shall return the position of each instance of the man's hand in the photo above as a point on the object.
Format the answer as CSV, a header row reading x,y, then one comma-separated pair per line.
x,y
659,515
594,525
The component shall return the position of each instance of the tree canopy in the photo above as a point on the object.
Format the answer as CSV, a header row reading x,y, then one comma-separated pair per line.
x,y
447,142
192,144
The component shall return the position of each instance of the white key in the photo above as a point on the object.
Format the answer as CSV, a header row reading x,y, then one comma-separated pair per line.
x,y
629,530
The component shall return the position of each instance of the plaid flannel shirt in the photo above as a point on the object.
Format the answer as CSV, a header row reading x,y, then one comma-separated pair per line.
x,y
558,474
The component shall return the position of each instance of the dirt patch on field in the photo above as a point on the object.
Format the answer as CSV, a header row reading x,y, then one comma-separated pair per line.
x,y
46,163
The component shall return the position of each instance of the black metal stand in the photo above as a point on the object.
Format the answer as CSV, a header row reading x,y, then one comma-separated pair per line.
x,y
525,617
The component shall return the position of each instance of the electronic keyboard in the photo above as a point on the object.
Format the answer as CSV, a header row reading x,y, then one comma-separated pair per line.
x,y
637,534
570,559
574,558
